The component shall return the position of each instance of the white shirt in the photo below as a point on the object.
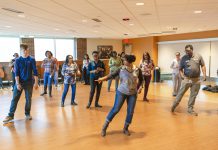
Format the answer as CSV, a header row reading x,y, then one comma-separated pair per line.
x,y
175,66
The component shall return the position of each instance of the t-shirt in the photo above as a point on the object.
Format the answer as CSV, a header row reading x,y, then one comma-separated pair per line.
x,y
191,65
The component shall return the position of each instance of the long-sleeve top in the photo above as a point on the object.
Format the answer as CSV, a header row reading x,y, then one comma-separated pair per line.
x,y
175,66
146,67
25,68
86,63
114,63
93,66
130,79
69,73
49,65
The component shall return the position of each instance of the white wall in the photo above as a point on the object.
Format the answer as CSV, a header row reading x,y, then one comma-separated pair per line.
x,y
93,43
167,50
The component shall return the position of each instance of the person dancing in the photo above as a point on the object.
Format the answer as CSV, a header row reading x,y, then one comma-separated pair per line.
x,y
130,84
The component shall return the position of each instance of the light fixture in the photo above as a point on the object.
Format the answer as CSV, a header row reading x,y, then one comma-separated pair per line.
x,y
21,15
56,29
198,11
131,24
7,26
95,31
140,4
84,20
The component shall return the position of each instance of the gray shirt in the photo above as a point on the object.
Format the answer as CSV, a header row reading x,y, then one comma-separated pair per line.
x,y
130,80
191,65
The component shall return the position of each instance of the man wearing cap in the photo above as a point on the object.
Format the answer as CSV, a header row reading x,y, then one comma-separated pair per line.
x,y
190,72
175,74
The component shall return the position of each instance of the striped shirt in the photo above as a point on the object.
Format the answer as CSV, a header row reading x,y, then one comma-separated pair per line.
x,y
49,65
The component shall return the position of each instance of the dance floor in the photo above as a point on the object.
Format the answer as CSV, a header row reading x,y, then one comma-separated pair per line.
x,y
154,127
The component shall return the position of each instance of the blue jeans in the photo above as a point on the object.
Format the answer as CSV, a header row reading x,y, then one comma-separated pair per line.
x,y
66,88
119,101
13,79
1,84
47,79
56,78
85,76
116,83
28,89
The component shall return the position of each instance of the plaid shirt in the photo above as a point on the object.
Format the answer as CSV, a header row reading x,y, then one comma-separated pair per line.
x,y
69,73
49,65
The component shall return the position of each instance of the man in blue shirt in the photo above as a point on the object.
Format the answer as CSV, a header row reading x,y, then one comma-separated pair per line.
x,y
96,69
24,67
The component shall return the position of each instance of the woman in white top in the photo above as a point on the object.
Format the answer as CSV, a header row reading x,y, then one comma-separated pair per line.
x,y
175,74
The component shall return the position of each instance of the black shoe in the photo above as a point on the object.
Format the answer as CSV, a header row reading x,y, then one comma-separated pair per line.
x,y
145,100
62,104
88,106
126,132
173,108
104,129
97,105
74,103
43,93
50,91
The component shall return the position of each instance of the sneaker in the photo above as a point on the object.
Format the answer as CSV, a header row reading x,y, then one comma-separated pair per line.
x,y
28,117
192,112
8,119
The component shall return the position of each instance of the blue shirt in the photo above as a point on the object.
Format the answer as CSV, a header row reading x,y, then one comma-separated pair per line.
x,y
25,68
93,66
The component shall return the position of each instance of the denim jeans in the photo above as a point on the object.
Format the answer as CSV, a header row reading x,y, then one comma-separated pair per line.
x,y
1,84
116,83
119,101
56,78
85,76
94,85
28,89
13,79
147,80
66,88
47,79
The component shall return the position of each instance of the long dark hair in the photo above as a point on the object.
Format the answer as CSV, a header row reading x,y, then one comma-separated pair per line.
x,y
67,59
143,57
86,56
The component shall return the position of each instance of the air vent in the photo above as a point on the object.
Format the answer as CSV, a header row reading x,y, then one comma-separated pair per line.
x,y
13,10
146,14
155,33
96,20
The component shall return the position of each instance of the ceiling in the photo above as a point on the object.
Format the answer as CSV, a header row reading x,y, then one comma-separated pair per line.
x,y
73,18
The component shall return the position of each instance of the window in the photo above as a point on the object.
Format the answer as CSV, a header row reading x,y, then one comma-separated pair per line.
x,y
8,47
59,47
41,46
64,47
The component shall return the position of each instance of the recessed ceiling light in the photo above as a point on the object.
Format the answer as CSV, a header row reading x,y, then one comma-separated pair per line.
x,y
56,29
95,31
199,29
198,11
140,4
84,20
131,24
7,26
21,15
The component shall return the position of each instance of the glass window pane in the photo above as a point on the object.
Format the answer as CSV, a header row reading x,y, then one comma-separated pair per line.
x,y
64,47
42,45
8,47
